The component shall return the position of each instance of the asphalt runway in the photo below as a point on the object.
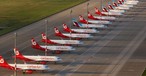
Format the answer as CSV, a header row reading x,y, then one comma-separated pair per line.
x,y
116,51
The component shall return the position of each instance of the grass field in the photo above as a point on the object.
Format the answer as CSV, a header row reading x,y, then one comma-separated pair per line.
x,y
144,73
15,14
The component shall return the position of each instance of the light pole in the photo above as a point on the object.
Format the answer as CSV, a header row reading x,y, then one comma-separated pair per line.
x,y
87,12
46,28
71,20
15,60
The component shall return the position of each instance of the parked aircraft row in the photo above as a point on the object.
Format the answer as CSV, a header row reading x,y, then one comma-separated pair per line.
x,y
72,37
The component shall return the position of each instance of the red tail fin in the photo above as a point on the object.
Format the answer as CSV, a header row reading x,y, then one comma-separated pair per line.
x,y
90,16
105,10
115,4
4,64
82,20
36,45
44,38
57,31
119,2
17,53
66,28
122,0
110,7
98,12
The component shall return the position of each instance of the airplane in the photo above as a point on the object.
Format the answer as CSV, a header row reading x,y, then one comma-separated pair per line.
x,y
123,7
112,9
111,12
56,49
82,20
64,42
26,68
71,35
67,29
90,16
106,13
77,24
39,59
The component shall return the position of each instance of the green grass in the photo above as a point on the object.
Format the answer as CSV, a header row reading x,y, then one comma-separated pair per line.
x,y
15,14
144,73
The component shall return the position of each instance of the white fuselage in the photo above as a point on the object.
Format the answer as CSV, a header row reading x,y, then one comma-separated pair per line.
x,y
112,13
44,58
85,30
75,35
122,8
99,22
105,17
62,48
117,10
31,66
131,2
67,41
92,26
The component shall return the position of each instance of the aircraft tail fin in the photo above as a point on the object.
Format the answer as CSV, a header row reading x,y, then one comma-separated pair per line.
x,y
82,20
104,10
90,16
110,7
36,45
97,11
66,28
75,23
44,38
17,53
4,64
115,4
120,2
